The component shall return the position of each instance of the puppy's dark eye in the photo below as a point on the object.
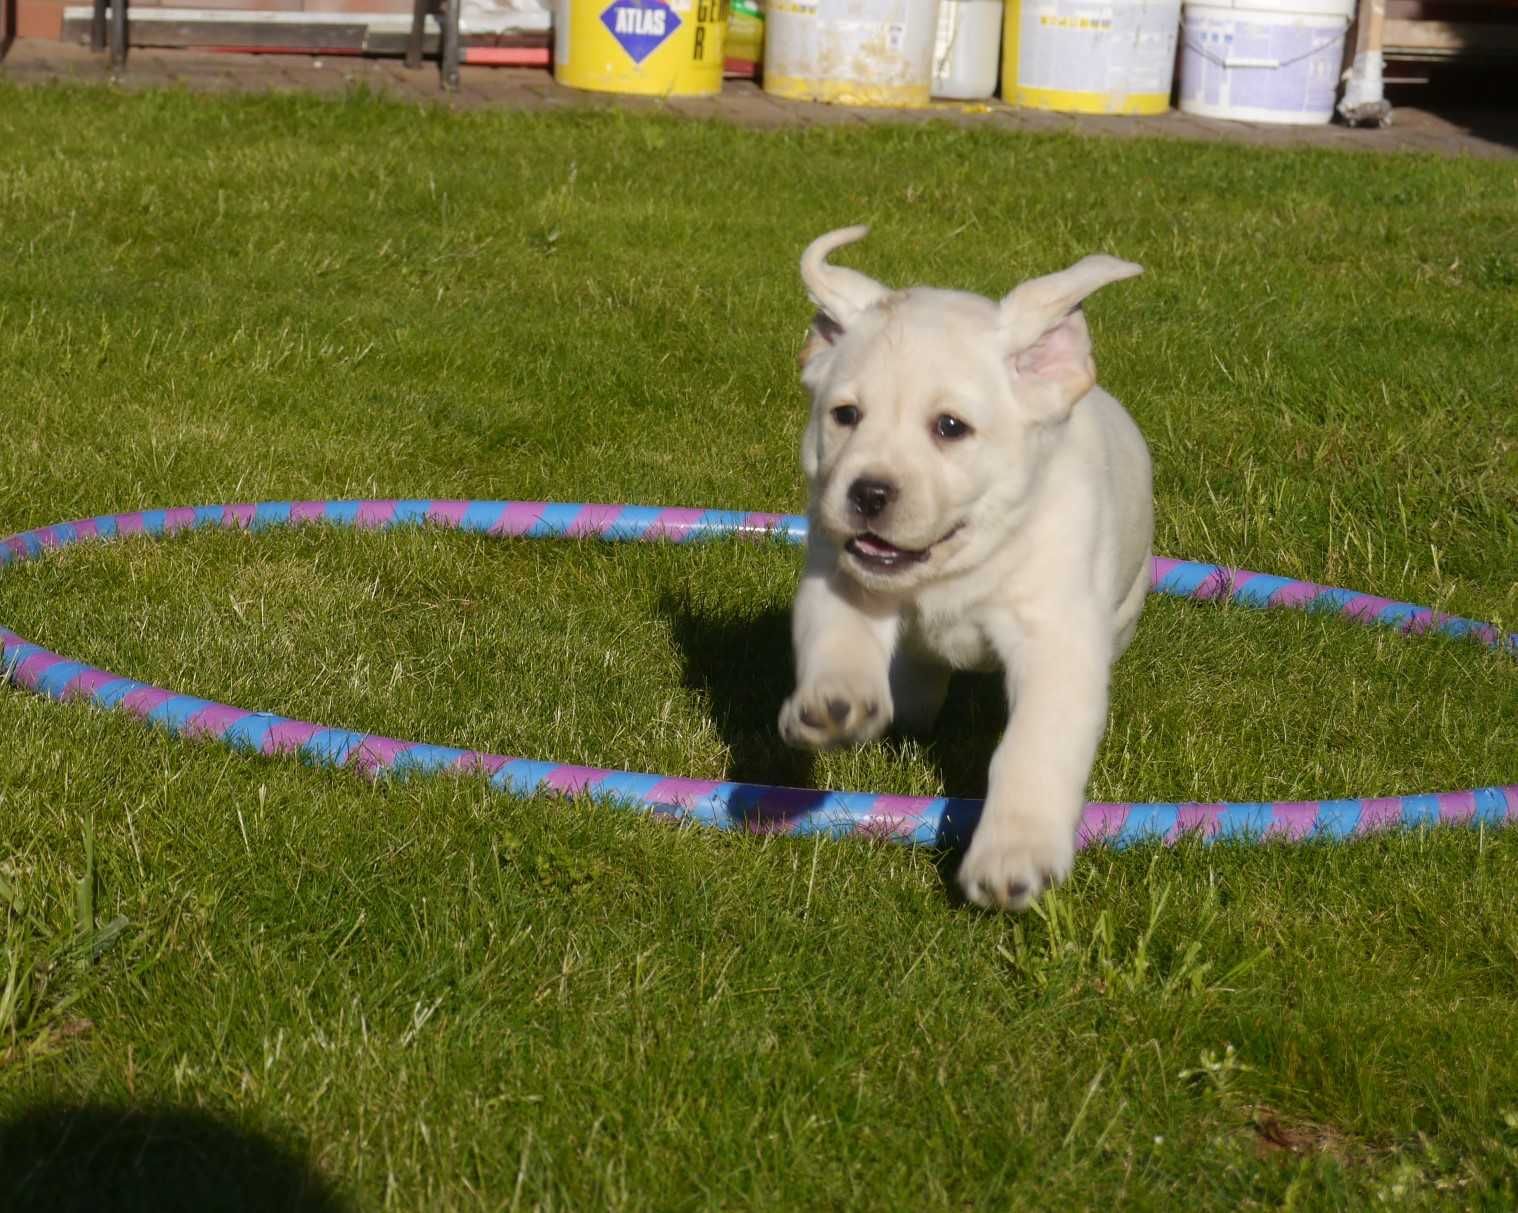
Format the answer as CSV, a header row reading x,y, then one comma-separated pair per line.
x,y
948,426
846,415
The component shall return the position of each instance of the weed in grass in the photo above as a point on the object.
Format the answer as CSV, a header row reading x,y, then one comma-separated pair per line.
x,y
1077,950
39,987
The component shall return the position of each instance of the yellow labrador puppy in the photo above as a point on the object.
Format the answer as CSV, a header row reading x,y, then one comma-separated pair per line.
x,y
977,502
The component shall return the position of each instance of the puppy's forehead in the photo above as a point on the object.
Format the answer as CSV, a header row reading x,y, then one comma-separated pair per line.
x,y
921,332
957,311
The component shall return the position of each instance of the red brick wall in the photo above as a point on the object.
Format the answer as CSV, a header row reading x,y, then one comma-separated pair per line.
x,y
39,18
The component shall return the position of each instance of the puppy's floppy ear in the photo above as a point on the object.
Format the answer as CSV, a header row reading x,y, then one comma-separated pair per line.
x,y
839,293
1044,334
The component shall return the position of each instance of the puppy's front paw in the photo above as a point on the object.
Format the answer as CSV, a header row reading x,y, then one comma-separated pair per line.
x,y
835,711
1012,859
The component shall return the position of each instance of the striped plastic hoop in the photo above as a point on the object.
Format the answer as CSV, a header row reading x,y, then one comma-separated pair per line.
x,y
933,821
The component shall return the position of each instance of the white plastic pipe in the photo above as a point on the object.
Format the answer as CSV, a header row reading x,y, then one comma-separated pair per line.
x,y
1364,101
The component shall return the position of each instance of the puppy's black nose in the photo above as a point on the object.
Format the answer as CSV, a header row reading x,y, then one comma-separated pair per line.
x,y
869,497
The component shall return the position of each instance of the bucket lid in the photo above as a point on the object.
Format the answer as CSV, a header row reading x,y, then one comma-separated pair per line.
x,y
1314,8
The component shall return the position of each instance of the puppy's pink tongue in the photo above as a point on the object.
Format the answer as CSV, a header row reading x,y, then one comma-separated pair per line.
x,y
873,545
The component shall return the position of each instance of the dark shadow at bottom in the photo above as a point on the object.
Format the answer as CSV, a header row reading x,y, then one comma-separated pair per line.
x,y
102,1158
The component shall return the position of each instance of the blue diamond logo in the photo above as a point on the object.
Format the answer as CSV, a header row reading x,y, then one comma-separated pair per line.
x,y
641,26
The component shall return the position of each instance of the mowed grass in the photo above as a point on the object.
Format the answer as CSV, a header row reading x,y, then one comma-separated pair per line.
x,y
426,995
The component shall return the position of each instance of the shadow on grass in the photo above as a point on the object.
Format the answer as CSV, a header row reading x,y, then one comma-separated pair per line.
x,y
742,667
62,1158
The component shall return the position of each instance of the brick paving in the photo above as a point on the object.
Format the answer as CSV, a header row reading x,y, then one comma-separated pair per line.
x,y
1488,135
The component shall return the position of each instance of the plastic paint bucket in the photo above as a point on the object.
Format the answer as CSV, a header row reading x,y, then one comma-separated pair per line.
x,y
967,49
1088,57
858,52
1263,62
667,48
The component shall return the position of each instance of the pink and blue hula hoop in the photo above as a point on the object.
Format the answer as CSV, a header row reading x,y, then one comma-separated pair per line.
x,y
931,821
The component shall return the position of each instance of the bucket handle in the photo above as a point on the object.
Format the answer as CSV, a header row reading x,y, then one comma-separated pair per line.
x,y
1229,62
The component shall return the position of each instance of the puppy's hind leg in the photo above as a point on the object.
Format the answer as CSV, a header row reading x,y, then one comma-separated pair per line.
x,y
919,685
1129,610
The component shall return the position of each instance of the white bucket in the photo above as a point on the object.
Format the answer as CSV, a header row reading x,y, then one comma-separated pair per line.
x,y
1259,61
1090,56
857,52
967,50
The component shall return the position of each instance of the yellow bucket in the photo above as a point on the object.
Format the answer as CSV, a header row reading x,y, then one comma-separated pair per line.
x,y
665,48
1090,56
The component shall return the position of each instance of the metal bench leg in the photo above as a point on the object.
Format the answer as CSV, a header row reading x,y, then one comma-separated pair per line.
x,y
418,30
118,33
451,45
97,27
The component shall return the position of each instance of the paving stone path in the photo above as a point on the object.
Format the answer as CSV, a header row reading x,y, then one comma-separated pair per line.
x,y
34,61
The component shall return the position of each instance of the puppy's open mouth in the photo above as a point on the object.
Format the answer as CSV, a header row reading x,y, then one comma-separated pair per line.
x,y
877,553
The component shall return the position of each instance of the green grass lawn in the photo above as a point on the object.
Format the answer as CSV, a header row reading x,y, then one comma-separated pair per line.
x,y
426,995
